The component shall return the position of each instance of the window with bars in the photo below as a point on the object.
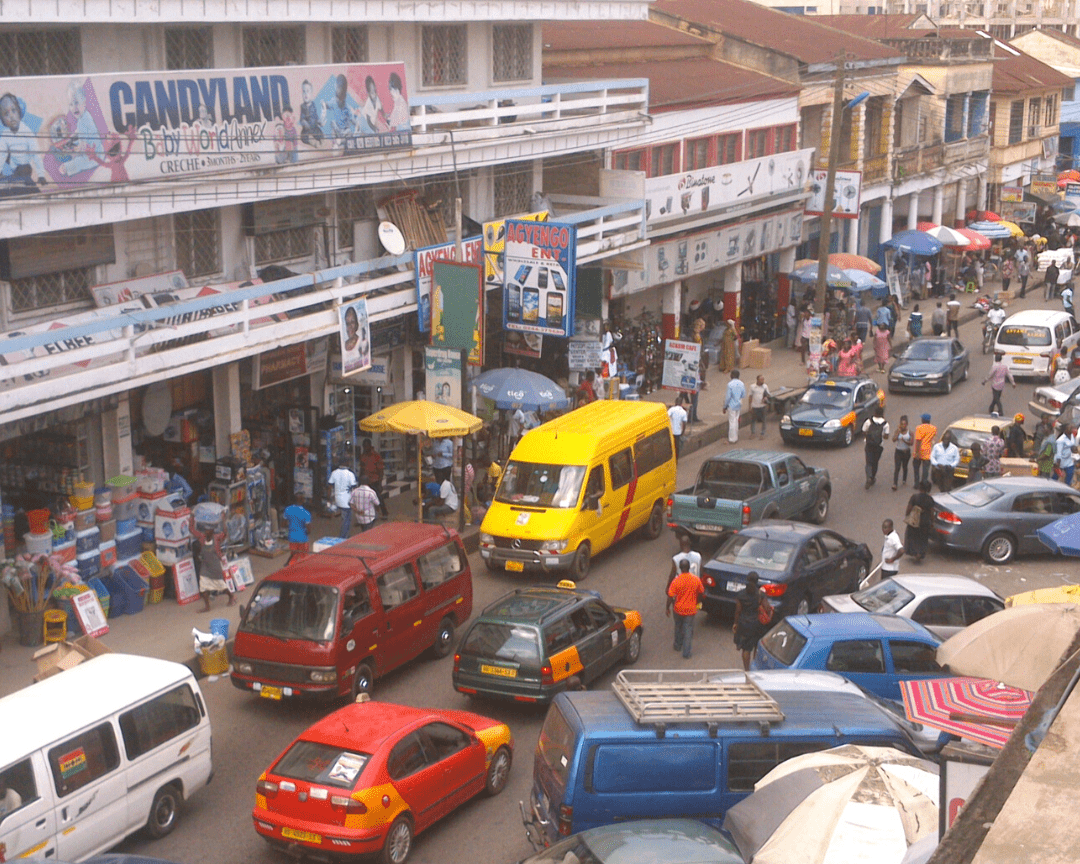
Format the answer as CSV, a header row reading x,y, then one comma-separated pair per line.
x,y
784,139
663,160
513,191
197,237
285,245
1016,121
1034,117
353,205
511,48
443,49
699,154
189,48
757,143
954,117
630,160
349,44
273,46
40,52
49,290
1051,110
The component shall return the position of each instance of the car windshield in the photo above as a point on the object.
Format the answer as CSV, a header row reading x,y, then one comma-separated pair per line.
x,y
509,642
756,553
542,485
964,438
926,351
1024,336
978,495
784,642
556,744
292,610
313,762
886,597
833,397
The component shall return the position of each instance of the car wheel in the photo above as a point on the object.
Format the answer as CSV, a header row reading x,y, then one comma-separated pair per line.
x,y
803,606
444,638
363,681
579,568
948,384
633,647
398,843
849,436
655,526
164,812
820,511
498,772
999,548
964,377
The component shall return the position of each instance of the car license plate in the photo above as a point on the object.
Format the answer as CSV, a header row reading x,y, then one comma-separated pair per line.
x,y
270,692
806,432
306,836
501,671
1026,361
735,587
516,566
913,383
701,526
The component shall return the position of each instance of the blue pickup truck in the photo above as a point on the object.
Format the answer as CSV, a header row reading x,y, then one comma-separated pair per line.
x,y
743,486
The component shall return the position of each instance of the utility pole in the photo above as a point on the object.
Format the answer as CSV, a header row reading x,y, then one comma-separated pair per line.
x,y
825,237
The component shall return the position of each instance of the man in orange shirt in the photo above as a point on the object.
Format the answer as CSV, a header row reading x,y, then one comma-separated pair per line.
x,y
683,592
925,433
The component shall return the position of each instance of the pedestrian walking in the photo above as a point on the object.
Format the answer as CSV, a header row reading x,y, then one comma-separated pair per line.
x,y
1067,299
992,450
802,340
918,519
1050,281
750,606
875,431
373,470
997,376
892,550
1065,455
903,437
212,565
976,463
1045,455
938,320
343,481
1064,282
1023,269
364,502
685,551
736,390
848,364
791,324
863,319
684,592
925,433
944,459
915,323
298,518
679,418
882,347
759,402
884,316
1017,438
1008,270
952,317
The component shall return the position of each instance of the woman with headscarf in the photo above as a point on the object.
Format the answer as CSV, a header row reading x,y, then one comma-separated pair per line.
x,y
729,347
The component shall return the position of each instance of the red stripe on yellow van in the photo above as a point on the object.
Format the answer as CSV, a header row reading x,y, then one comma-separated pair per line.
x,y
631,488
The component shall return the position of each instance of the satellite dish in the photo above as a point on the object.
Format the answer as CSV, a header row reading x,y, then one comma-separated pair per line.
x,y
392,239
157,408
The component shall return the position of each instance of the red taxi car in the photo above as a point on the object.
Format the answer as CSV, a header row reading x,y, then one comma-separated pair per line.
x,y
369,777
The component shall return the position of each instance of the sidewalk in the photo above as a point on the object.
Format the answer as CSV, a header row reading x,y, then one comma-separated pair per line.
x,y
164,629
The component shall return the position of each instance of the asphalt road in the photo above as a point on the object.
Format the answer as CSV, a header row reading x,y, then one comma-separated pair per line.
x,y
249,733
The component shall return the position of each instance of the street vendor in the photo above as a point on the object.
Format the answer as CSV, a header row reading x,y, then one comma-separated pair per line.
x,y
212,564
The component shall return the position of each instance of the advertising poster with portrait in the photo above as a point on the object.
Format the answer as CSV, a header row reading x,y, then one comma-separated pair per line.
x,y
472,250
442,376
681,363
72,131
355,337
457,301
540,267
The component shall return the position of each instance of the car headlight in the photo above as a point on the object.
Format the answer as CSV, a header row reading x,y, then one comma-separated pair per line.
x,y
831,424
243,667
486,538
553,545
786,420
323,676
935,376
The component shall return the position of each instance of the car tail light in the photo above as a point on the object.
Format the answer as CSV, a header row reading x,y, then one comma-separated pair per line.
x,y
822,608
457,662
670,504
349,805
1053,403
745,515
266,788
566,819
709,582
545,675
951,518
772,589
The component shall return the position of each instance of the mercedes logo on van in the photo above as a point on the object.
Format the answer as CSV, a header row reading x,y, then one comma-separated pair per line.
x,y
517,543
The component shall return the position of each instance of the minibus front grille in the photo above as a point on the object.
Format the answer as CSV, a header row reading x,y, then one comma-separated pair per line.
x,y
289,672
517,543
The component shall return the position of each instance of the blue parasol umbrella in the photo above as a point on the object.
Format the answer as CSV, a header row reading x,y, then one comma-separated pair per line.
x,y
520,388
834,276
993,230
1062,535
914,243
863,281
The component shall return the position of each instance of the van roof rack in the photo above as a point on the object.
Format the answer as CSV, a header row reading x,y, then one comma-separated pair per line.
x,y
710,696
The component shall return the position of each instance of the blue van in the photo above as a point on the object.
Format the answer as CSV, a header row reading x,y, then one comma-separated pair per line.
x,y
596,765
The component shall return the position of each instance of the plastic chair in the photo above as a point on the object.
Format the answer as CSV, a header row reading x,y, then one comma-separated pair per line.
x,y
54,626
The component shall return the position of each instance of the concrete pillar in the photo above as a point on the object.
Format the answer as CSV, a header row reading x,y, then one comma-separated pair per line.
x,y
886,220
733,291
981,201
116,439
787,259
853,236
671,308
227,420
939,198
913,211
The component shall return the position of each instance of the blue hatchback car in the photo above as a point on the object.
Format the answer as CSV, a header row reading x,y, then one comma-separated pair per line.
x,y
876,652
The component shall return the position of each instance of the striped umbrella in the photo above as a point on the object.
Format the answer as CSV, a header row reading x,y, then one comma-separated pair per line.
x,y
993,230
948,236
978,709
979,242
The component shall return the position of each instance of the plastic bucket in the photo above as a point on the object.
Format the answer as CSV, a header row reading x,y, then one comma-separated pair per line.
x,y
39,521
213,661
85,519
220,627
39,544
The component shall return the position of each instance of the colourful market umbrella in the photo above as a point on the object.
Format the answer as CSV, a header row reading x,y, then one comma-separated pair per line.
x,y
1058,594
977,709
834,276
1016,230
863,281
993,230
914,243
1062,535
979,242
520,388
982,216
1069,176
948,236
847,261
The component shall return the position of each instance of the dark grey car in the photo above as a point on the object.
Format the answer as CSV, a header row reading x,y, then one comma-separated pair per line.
x,y
998,517
930,363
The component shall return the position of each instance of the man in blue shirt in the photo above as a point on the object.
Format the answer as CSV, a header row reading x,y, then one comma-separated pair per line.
x,y
883,316
863,317
1065,454
298,517
442,458
736,390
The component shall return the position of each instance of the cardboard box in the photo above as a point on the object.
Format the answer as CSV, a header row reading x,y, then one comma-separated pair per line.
x,y
1018,468
760,358
61,656
747,349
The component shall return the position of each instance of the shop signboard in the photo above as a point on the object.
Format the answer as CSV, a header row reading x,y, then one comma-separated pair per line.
x,y
472,249
90,614
1044,187
681,366
457,301
963,765
523,344
115,293
540,268
134,126
847,194
495,246
813,362
584,354
1012,193
1021,212
442,376
355,336
1072,190
287,363
694,254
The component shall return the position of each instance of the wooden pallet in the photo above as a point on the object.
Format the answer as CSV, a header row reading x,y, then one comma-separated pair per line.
x,y
694,696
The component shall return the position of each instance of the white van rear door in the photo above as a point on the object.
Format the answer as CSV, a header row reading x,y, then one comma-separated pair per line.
x,y
30,828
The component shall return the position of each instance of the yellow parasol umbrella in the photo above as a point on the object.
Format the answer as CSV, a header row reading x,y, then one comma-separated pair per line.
x,y
1060,594
1016,230
420,417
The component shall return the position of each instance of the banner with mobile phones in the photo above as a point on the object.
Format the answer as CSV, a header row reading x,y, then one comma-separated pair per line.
x,y
538,277
682,361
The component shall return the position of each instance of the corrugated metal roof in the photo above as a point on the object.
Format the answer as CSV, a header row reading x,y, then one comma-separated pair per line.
x,y
875,26
797,36
572,36
1018,73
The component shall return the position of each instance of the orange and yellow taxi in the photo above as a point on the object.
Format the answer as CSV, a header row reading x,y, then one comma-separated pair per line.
x,y
528,644
371,776
832,411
